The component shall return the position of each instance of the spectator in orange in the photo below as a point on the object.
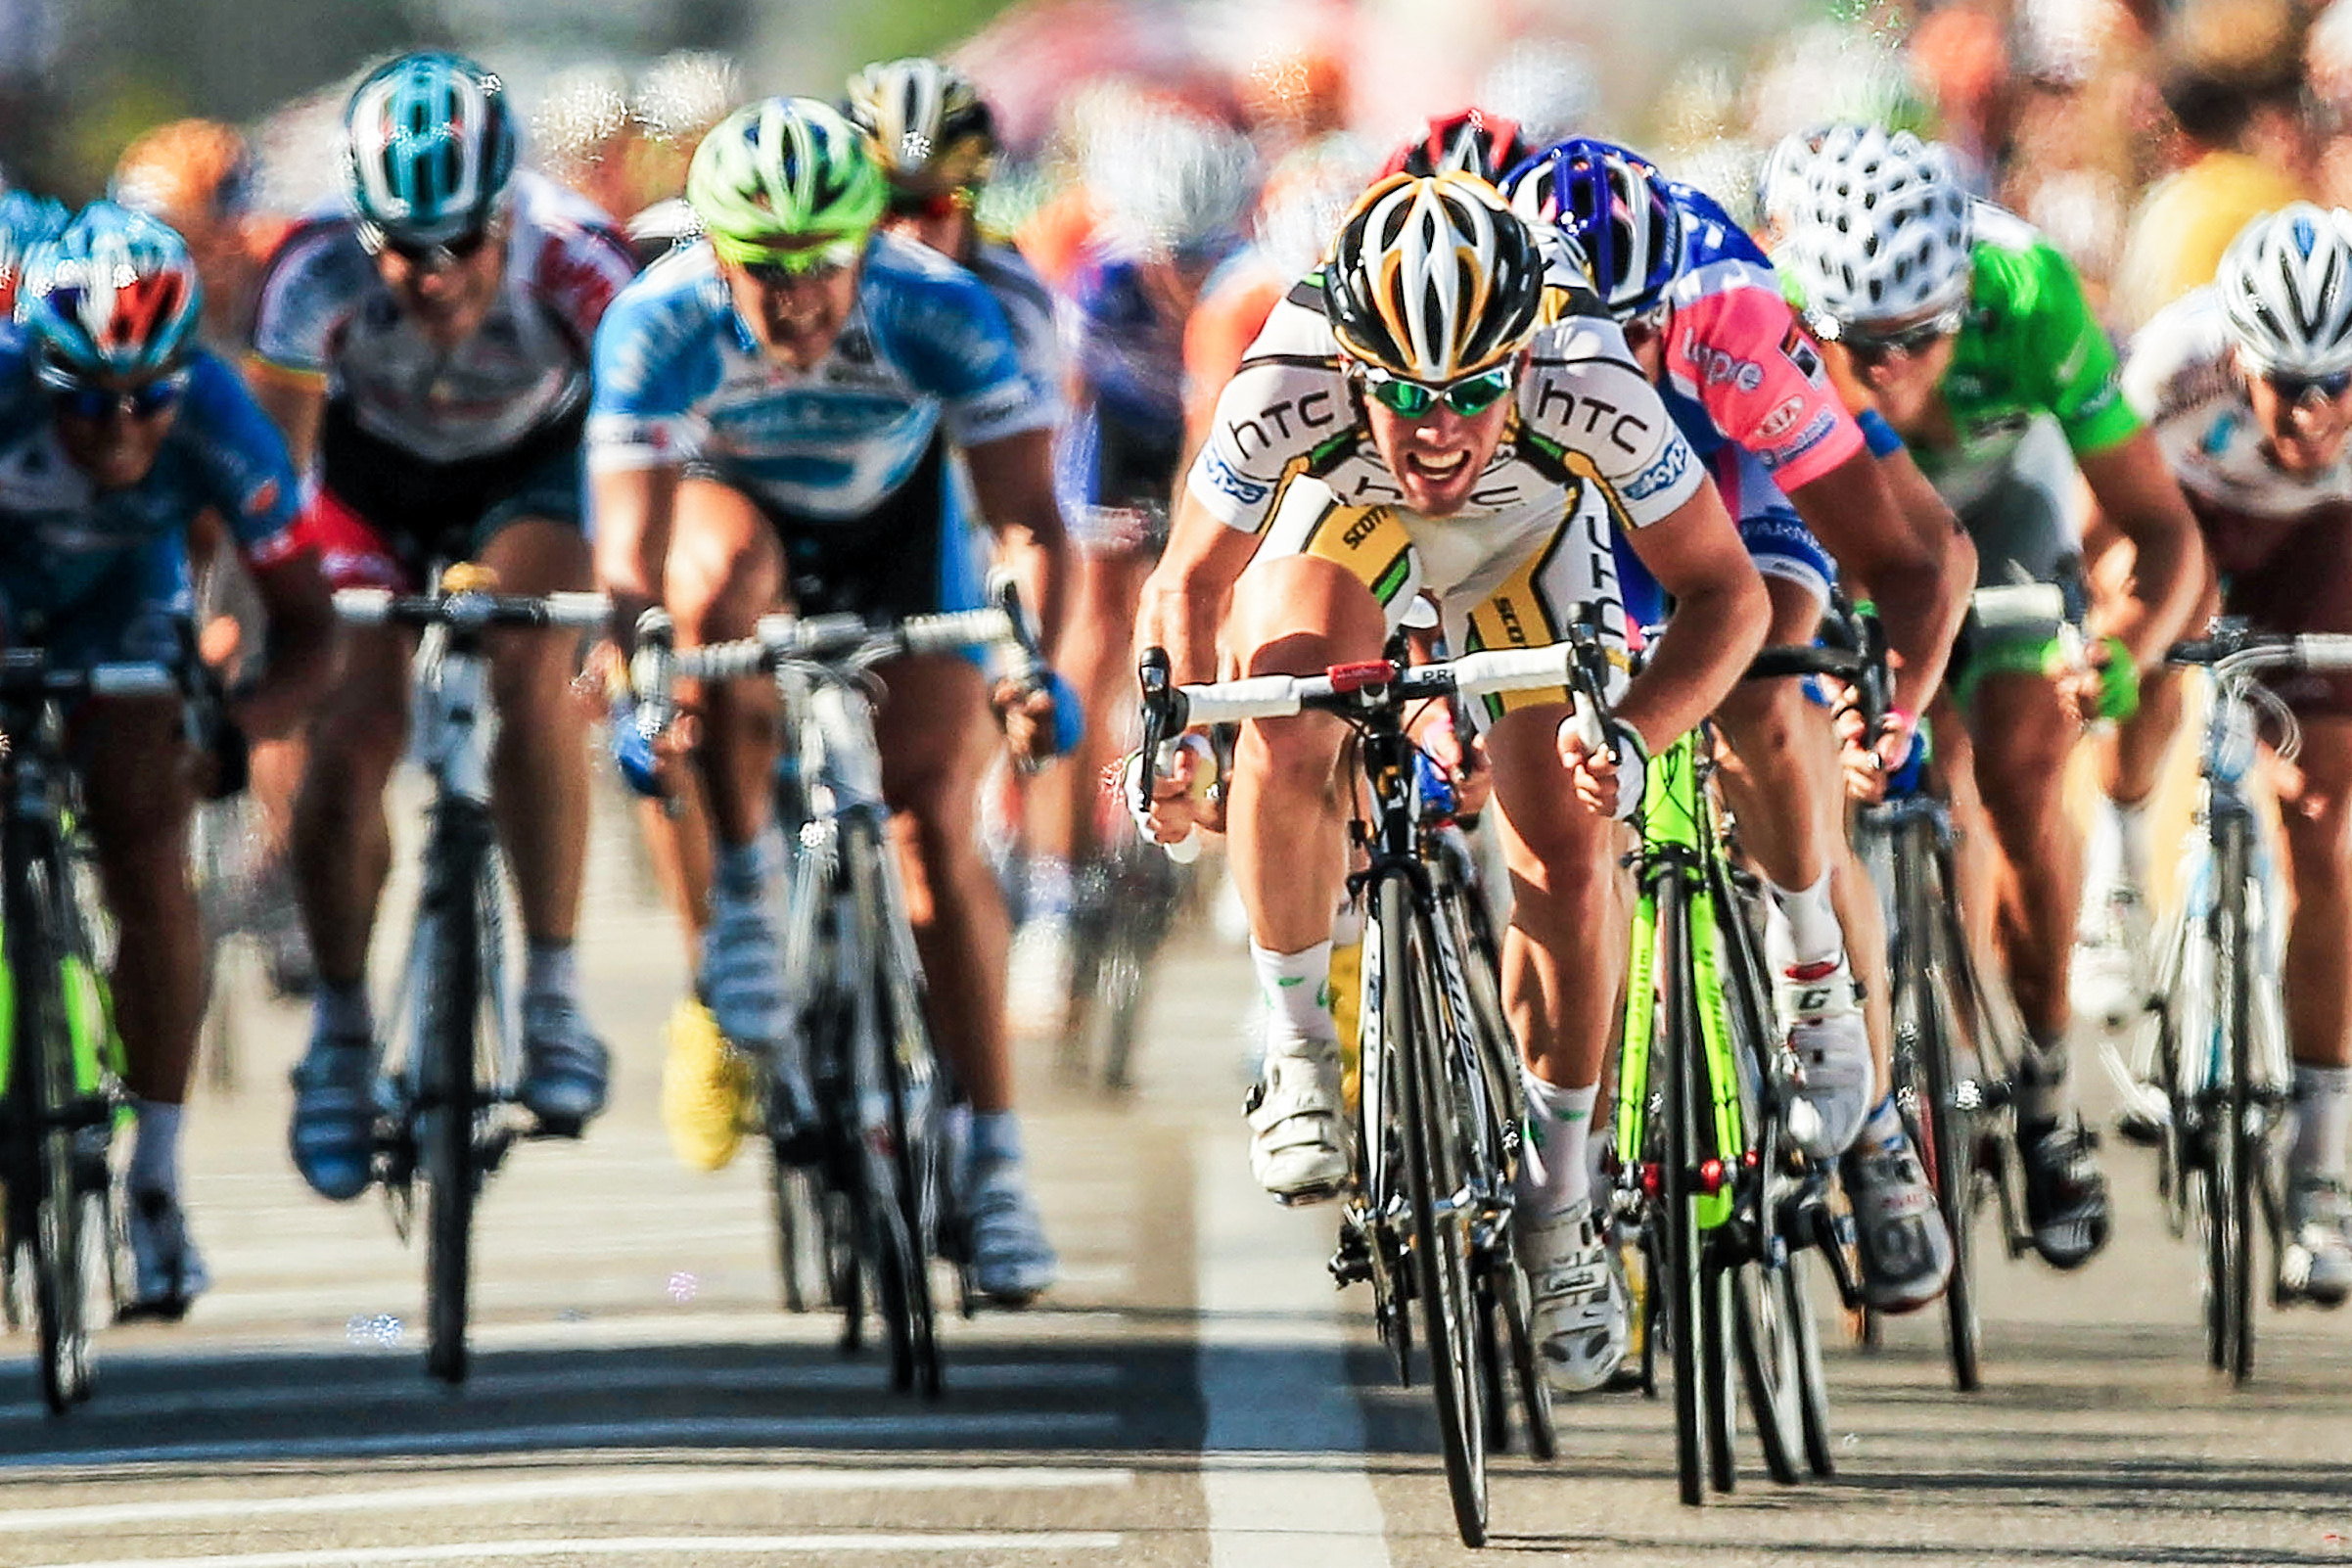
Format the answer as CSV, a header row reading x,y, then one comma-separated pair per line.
x,y
197,175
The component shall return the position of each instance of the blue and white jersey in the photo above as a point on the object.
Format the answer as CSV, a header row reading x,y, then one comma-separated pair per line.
x,y
1029,308
679,379
60,535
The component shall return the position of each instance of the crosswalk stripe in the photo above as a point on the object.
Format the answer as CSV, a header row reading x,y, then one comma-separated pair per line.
x,y
1055,1541
879,1427
595,1483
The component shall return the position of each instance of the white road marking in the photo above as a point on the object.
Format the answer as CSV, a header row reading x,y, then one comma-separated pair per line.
x,y
1275,1387
327,1395
595,1483
589,1434
1061,1541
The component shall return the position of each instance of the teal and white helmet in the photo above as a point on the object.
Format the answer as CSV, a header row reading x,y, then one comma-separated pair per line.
x,y
429,146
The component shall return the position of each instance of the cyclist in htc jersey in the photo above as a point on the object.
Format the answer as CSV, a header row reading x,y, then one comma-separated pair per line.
x,y
428,349
1969,334
115,432
2247,385
772,414
1704,315
1410,422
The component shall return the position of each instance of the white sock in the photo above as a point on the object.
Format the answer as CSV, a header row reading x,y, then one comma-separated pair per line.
x,y
342,1012
2322,1116
996,1135
2131,843
1554,1172
550,969
1809,923
1048,891
155,1164
1884,1128
745,871
1298,996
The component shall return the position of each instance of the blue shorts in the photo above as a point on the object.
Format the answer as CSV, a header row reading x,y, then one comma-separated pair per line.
x,y
1778,539
133,609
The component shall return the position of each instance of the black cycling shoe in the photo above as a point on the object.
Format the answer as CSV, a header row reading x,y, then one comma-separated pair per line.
x,y
2065,1195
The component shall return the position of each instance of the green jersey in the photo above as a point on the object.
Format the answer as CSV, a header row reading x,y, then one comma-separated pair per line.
x,y
2029,347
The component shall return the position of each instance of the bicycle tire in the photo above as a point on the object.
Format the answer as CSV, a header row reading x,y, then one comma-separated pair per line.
x,y
1930,965
2238,1145
44,1052
447,1010
1819,1457
1763,1338
915,1145
1684,1280
801,1261
1441,1244
901,1184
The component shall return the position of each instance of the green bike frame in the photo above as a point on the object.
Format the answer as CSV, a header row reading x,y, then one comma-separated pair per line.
x,y
1678,839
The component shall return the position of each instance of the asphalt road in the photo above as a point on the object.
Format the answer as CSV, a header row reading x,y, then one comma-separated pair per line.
x,y
1194,1393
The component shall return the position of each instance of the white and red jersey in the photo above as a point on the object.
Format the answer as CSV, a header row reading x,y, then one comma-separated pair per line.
x,y
1739,366
2182,376
325,310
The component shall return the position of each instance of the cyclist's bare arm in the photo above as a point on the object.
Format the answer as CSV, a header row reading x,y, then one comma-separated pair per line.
x,y
633,508
1857,516
296,402
1012,480
1721,614
1184,599
2136,491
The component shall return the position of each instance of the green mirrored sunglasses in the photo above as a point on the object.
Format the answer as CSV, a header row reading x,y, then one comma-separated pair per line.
x,y
1469,396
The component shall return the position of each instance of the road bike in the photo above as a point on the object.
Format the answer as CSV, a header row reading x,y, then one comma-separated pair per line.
x,y
1439,1117
1723,1206
1958,1038
61,1096
858,1112
449,1108
2213,1081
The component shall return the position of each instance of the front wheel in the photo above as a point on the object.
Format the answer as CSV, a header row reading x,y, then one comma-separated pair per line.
x,y
448,1099
1436,1195
50,1215
2234,1138
1935,1009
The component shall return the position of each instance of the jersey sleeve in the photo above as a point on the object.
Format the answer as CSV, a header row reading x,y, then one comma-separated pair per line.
x,y
2085,388
1286,402
1218,332
307,290
655,358
248,477
581,270
957,345
1742,354
1584,395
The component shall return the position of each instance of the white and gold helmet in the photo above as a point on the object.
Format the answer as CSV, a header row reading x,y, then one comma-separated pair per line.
x,y
1433,279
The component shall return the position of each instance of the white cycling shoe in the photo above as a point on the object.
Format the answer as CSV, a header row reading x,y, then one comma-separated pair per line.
x,y
2315,1262
1830,1056
1581,1312
1012,1261
2110,980
1298,1143
1038,977
741,979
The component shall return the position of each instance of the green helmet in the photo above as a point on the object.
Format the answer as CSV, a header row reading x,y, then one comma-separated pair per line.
x,y
779,170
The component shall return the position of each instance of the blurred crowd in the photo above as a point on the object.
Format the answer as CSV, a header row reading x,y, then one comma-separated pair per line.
x,y
2137,134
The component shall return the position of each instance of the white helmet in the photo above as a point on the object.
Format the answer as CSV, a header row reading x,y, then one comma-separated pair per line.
x,y
2285,287
1881,229
1168,184
1781,184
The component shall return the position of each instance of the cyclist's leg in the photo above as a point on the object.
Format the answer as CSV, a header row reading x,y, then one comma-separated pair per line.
x,y
1563,959
1305,603
2317,822
724,571
342,854
539,788
136,790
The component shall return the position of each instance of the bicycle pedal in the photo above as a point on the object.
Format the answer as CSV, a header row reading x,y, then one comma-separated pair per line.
x,y
1309,1197
2140,1129
544,1127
